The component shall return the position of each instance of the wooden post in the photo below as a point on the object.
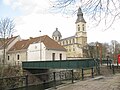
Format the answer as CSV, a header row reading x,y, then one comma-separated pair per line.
x,y
26,81
72,76
110,64
82,73
92,72
113,69
54,80
107,60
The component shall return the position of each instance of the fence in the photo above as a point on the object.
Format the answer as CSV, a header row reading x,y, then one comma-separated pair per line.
x,y
43,81
36,81
40,81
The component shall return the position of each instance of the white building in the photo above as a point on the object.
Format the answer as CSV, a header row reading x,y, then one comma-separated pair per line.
x,y
36,49
46,49
9,42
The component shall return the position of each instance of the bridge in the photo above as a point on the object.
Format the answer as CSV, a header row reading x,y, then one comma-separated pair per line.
x,y
59,64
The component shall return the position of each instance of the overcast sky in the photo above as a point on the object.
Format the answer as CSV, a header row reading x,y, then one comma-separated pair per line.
x,y
32,16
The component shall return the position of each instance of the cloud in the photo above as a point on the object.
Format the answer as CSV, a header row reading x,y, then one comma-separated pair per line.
x,y
30,25
36,17
29,6
7,2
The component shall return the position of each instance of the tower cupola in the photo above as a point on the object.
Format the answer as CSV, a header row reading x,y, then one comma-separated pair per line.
x,y
80,17
56,35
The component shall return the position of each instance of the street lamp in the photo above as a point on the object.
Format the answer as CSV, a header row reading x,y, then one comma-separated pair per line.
x,y
107,58
40,47
99,51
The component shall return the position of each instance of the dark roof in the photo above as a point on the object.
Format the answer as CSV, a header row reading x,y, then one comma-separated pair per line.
x,y
68,38
48,42
56,33
80,17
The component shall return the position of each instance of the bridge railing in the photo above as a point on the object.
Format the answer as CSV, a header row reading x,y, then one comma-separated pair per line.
x,y
59,64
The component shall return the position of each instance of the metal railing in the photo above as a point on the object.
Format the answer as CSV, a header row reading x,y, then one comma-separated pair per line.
x,y
40,81
59,64
36,81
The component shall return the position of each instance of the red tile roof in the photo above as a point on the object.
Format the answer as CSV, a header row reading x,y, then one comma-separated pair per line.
x,y
48,42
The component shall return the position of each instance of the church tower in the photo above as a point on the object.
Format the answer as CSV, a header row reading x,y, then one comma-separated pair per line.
x,y
81,28
75,45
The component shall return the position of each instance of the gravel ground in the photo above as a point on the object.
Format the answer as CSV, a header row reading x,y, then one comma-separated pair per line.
x,y
98,83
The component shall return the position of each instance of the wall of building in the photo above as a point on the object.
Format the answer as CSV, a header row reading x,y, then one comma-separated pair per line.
x,y
13,42
35,53
6,50
16,57
49,55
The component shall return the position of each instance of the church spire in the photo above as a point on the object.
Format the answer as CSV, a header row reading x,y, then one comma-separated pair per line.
x,y
80,17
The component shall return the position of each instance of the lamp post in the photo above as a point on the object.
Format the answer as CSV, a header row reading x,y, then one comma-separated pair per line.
x,y
40,47
107,58
99,51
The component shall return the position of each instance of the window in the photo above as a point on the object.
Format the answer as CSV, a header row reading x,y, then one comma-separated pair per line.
x,y
66,42
35,47
78,28
69,49
73,49
8,57
70,41
59,38
73,41
53,56
63,42
55,38
83,27
60,56
18,57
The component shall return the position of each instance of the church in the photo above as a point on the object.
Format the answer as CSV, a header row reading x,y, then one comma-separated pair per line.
x,y
75,45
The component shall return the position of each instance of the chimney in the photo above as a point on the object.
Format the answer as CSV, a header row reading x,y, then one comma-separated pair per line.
x,y
30,37
11,36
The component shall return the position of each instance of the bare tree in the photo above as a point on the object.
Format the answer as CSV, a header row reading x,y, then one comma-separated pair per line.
x,y
98,10
114,47
6,30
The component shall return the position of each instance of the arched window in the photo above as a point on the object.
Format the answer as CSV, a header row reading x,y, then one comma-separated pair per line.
x,y
78,28
83,27
8,57
66,42
69,41
59,38
60,56
73,40
55,38
18,57
53,56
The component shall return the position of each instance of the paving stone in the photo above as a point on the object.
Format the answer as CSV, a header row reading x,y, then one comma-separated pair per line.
x,y
99,83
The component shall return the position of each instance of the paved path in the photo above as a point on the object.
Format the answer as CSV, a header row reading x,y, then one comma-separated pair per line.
x,y
98,83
